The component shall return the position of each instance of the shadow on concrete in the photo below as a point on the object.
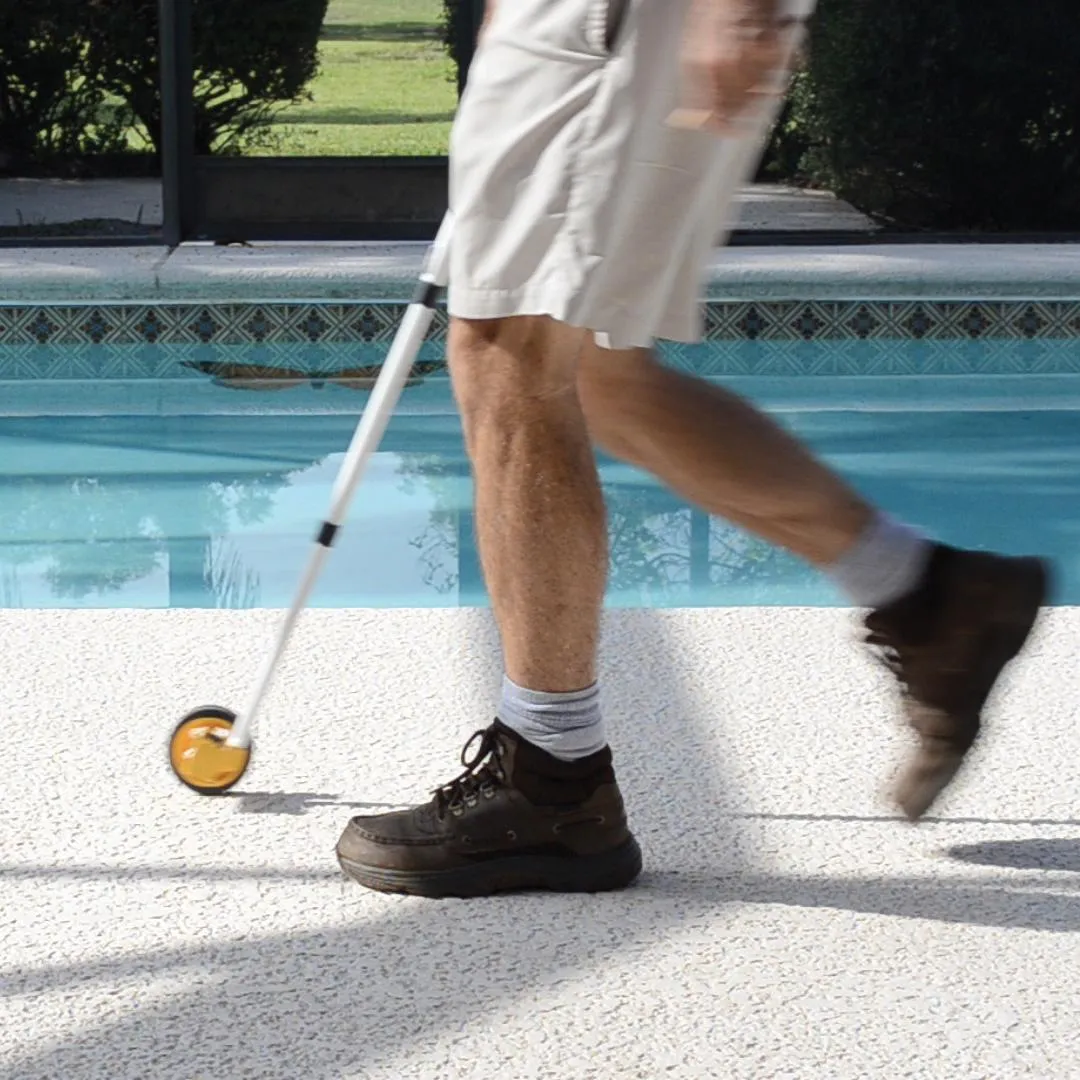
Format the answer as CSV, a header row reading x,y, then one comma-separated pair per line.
x,y
892,819
163,872
336,1000
1000,902
295,803
339,999
299,802
1056,853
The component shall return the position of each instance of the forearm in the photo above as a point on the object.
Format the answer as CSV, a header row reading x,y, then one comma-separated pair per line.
x,y
729,14
735,18
735,55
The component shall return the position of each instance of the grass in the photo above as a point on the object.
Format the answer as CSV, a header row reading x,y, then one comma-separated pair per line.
x,y
385,87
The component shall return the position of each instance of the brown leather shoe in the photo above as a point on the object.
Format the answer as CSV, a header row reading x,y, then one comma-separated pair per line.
x,y
516,818
947,643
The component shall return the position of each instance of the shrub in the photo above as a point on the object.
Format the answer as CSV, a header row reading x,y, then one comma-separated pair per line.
x,y
787,144
460,22
946,114
77,75
249,58
50,100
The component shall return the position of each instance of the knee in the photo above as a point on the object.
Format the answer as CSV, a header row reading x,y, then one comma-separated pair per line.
x,y
504,370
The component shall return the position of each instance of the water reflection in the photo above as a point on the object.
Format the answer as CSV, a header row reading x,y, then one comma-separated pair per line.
x,y
201,512
220,511
89,537
662,552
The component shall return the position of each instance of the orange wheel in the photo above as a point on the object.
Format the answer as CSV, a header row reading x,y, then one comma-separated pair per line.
x,y
198,754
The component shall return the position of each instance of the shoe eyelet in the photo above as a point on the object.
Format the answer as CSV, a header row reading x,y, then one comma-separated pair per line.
x,y
488,792
510,834
457,811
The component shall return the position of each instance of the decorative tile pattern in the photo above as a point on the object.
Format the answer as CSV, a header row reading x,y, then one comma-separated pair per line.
x,y
170,340
724,359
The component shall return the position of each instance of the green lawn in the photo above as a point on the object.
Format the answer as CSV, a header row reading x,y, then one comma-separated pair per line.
x,y
386,85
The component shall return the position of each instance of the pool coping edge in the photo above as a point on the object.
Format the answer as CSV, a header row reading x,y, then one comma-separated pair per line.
x,y
371,272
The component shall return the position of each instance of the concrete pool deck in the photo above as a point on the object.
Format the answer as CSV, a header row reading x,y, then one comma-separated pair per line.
x,y
387,271
787,925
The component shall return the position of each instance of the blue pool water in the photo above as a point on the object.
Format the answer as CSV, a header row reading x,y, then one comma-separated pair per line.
x,y
149,493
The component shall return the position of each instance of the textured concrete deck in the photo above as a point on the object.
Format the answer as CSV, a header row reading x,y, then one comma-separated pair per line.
x,y
786,926
53,202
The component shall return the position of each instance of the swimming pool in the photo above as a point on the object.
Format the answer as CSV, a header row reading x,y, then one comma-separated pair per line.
x,y
155,484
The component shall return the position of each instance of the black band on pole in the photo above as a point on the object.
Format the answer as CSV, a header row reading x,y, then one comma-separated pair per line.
x,y
427,293
327,534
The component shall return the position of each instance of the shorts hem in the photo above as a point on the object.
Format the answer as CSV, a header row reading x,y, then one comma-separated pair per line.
x,y
473,303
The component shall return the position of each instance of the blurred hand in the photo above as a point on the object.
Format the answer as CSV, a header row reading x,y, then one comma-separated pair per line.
x,y
735,54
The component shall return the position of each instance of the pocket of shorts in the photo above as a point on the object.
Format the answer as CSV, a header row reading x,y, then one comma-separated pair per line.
x,y
605,19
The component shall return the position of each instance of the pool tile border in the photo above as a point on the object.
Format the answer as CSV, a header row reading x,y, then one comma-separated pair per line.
x,y
255,323
180,339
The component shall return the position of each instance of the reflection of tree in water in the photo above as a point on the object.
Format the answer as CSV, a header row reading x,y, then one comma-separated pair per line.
x,y
738,558
647,540
10,590
114,552
231,583
663,550
125,531
440,545
660,549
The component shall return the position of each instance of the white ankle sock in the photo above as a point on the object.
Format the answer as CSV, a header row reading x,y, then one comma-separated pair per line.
x,y
886,562
567,726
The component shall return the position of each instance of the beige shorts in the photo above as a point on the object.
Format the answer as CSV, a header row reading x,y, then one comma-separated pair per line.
x,y
572,196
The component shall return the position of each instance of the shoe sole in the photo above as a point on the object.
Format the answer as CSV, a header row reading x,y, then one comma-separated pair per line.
x,y
605,872
924,781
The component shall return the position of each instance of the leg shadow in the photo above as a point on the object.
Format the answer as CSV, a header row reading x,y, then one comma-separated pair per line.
x,y
1036,854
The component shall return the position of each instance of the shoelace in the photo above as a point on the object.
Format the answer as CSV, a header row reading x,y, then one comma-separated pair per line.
x,y
889,655
483,773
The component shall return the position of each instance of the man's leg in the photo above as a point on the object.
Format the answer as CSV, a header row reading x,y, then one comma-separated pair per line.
x,y
550,118
537,806
539,511
947,621
719,453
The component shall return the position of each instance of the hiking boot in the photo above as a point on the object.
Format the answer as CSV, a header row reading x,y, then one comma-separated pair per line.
x,y
516,818
947,642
